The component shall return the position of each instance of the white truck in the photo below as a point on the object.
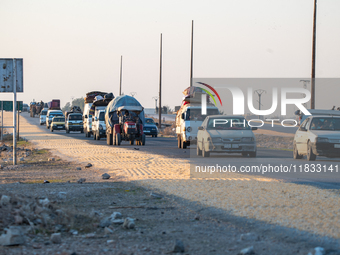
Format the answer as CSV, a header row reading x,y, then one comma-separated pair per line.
x,y
89,110
98,123
188,119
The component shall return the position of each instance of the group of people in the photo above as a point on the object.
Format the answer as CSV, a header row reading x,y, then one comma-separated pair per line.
x,y
324,124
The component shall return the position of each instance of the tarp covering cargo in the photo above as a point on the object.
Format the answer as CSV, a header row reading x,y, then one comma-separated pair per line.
x,y
113,106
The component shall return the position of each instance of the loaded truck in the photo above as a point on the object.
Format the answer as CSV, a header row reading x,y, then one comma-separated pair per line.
x,y
189,117
89,111
98,116
87,115
53,110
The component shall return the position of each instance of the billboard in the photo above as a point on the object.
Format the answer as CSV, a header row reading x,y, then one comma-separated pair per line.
x,y
6,75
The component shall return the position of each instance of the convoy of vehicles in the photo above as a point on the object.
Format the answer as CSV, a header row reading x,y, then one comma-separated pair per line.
x,y
122,119
226,134
317,136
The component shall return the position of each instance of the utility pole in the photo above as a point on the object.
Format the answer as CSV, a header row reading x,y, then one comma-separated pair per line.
x,y
305,82
155,98
259,93
312,103
192,52
121,71
160,89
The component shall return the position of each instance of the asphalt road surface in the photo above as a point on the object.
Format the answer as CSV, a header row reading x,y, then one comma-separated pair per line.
x,y
278,164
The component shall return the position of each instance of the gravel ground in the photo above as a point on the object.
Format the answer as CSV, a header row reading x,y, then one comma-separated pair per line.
x,y
287,218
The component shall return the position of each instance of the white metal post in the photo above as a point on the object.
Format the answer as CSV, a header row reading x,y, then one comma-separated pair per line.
x,y
14,113
2,120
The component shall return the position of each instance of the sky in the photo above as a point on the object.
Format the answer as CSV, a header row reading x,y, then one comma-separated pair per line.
x,y
72,47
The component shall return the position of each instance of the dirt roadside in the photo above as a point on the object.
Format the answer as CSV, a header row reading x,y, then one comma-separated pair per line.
x,y
160,220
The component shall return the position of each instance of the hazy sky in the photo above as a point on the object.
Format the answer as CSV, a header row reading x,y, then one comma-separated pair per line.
x,y
71,47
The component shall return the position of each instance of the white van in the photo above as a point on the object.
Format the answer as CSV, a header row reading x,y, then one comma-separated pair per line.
x,y
188,119
98,123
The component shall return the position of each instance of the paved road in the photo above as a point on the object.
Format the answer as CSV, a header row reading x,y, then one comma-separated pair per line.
x,y
265,158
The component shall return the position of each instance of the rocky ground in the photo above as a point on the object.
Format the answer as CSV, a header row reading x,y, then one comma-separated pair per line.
x,y
48,207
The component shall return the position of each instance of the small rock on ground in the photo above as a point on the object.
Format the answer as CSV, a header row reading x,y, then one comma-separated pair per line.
x,y
51,159
247,251
129,223
78,168
14,236
106,176
4,200
116,215
81,180
178,247
317,251
107,231
56,238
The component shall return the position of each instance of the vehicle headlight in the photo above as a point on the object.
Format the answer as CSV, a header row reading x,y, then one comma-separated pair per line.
x,y
216,139
189,129
100,127
322,140
247,139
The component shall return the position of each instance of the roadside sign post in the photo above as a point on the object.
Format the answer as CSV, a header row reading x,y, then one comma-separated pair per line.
x,y
2,121
11,73
14,114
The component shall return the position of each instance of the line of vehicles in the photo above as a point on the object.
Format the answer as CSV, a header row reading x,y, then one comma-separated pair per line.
x,y
122,119
116,119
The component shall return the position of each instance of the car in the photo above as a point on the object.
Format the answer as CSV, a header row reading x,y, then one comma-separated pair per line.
x,y
226,134
150,127
42,117
317,136
58,123
50,115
